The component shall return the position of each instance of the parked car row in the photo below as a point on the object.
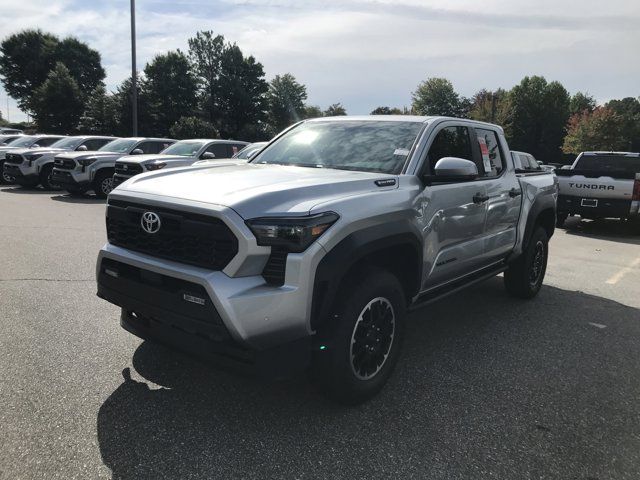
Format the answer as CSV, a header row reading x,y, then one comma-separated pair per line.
x,y
79,164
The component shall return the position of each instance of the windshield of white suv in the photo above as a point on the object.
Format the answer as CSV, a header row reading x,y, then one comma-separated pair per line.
x,y
67,143
122,145
23,141
364,145
186,148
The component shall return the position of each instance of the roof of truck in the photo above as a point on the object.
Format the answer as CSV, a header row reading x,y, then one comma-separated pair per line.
x,y
599,152
405,118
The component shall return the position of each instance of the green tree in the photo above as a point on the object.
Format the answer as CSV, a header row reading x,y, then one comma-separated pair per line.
x,y
629,110
600,129
285,100
389,111
25,61
312,111
489,106
100,114
539,114
580,102
205,53
436,96
170,90
57,103
27,57
124,107
193,127
335,110
241,103
83,62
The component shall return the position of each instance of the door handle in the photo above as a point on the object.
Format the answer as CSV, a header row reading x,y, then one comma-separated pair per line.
x,y
514,192
479,198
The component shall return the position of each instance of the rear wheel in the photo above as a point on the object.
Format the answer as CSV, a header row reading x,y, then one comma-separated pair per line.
x,y
525,276
361,346
103,183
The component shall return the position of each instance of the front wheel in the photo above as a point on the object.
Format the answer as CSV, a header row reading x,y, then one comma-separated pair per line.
x,y
45,178
103,183
525,276
5,178
360,346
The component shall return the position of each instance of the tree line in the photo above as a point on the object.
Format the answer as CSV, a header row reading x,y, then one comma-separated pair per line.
x,y
213,89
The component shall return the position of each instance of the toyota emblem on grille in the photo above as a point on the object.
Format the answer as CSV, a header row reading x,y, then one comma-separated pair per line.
x,y
150,222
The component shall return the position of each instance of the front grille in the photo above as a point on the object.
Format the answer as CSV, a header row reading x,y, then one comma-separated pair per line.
x,y
13,158
183,237
274,271
125,168
66,163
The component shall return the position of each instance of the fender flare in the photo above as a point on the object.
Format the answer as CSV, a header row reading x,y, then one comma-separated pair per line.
x,y
540,204
335,265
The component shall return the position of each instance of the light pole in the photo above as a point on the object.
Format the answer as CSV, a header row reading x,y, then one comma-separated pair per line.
x,y
134,73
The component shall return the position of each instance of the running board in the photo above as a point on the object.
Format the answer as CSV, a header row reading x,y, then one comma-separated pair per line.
x,y
440,292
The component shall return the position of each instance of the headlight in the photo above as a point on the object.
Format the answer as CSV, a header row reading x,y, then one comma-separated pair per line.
x,y
293,233
31,157
85,162
155,166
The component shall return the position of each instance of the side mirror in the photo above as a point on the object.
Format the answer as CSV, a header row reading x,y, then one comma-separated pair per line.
x,y
207,156
137,151
455,169
35,145
82,148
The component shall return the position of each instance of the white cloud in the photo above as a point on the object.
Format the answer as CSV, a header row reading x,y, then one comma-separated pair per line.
x,y
366,53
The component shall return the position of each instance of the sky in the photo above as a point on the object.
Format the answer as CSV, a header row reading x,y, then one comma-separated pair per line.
x,y
367,53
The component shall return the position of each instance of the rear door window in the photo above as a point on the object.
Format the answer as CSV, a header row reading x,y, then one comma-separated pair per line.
x,y
220,150
449,142
492,159
612,163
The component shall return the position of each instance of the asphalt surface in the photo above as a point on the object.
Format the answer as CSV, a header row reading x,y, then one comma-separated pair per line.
x,y
488,387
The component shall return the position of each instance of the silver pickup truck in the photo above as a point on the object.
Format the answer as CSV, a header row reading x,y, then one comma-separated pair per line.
x,y
600,185
309,255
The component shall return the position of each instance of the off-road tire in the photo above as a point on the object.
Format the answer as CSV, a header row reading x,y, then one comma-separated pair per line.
x,y
360,344
524,277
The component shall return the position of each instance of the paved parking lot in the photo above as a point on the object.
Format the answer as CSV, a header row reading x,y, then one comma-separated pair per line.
x,y
489,386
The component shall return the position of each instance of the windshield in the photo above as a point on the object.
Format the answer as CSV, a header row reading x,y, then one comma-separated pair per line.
x,y
23,141
369,146
248,150
67,143
610,162
187,148
122,145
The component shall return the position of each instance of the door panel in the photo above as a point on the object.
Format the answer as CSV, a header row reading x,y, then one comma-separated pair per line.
x,y
453,231
503,212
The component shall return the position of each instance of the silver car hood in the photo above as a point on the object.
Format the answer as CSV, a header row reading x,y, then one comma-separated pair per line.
x,y
253,190
96,154
20,151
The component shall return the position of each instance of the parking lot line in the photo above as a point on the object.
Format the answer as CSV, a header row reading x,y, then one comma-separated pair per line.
x,y
622,272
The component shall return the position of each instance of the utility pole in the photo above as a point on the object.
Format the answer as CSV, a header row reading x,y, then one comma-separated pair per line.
x,y
134,73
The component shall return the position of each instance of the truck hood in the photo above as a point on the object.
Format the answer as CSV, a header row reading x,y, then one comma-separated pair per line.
x,y
77,155
254,190
151,157
40,150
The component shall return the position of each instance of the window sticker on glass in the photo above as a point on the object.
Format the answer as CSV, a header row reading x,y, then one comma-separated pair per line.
x,y
486,160
401,151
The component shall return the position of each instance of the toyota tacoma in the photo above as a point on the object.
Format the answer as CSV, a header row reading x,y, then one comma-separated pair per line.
x,y
309,255
78,172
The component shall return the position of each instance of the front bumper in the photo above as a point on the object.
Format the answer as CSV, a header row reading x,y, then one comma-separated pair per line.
x,y
240,322
66,178
16,172
612,208
119,178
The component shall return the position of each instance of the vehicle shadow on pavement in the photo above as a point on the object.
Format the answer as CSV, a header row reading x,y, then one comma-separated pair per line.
x,y
605,229
489,386
26,190
78,199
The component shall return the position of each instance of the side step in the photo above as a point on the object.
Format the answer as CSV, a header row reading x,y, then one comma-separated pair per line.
x,y
442,291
